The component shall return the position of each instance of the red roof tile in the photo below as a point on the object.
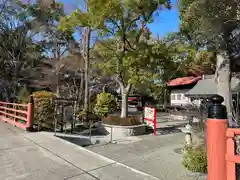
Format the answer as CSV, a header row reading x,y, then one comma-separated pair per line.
x,y
184,81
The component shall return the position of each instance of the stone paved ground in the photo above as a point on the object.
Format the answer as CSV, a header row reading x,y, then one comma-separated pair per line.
x,y
39,156
158,156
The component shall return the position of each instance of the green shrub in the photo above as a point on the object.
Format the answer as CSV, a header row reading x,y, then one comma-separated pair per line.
x,y
86,117
118,121
23,95
83,114
44,111
105,104
195,160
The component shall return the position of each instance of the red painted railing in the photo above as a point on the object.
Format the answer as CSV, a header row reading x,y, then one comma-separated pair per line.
x,y
231,157
222,143
19,115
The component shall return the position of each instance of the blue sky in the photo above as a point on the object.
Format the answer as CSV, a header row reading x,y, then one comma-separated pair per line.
x,y
166,22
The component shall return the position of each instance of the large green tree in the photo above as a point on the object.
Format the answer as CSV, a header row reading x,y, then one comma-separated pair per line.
x,y
44,21
210,24
179,58
123,24
20,54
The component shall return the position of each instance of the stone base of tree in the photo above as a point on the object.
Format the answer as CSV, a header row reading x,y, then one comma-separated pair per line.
x,y
123,131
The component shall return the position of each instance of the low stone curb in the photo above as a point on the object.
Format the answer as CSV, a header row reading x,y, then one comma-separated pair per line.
x,y
123,131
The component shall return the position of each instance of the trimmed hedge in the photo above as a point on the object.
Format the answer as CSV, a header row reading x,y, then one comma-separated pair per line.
x,y
44,112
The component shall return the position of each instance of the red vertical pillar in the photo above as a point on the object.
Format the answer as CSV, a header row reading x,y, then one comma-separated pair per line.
x,y
5,110
230,165
216,139
155,121
30,107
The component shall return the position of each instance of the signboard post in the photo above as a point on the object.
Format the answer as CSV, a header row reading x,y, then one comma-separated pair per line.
x,y
150,118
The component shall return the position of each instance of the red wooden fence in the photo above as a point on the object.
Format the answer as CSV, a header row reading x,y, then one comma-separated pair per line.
x,y
216,147
231,157
19,115
222,155
222,143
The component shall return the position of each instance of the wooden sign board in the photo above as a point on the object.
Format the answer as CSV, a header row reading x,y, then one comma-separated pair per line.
x,y
150,118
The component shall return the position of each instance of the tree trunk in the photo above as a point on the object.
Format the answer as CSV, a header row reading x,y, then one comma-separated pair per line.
x,y
165,101
223,79
124,95
124,106
58,57
81,91
57,81
86,68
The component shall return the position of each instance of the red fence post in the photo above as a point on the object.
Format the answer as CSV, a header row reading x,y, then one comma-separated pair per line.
x,y
15,113
5,110
230,165
155,121
30,113
216,139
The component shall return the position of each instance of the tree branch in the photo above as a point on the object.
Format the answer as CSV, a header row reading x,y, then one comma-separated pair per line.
x,y
115,23
119,80
4,46
134,20
129,44
143,25
128,87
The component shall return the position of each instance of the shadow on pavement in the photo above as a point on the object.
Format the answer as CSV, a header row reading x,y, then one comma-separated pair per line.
x,y
95,131
80,141
167,129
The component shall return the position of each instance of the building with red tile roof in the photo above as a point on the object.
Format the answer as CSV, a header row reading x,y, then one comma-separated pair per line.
x,y
179,87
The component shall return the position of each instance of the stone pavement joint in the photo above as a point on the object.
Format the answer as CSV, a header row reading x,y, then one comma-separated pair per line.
x,y
105,158
112,162
88,172
62,158
38,156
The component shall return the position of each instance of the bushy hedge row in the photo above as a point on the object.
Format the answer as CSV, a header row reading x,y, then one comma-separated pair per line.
x,y
44,112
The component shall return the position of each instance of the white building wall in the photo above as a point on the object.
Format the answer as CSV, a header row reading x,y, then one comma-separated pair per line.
x,y
178,98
